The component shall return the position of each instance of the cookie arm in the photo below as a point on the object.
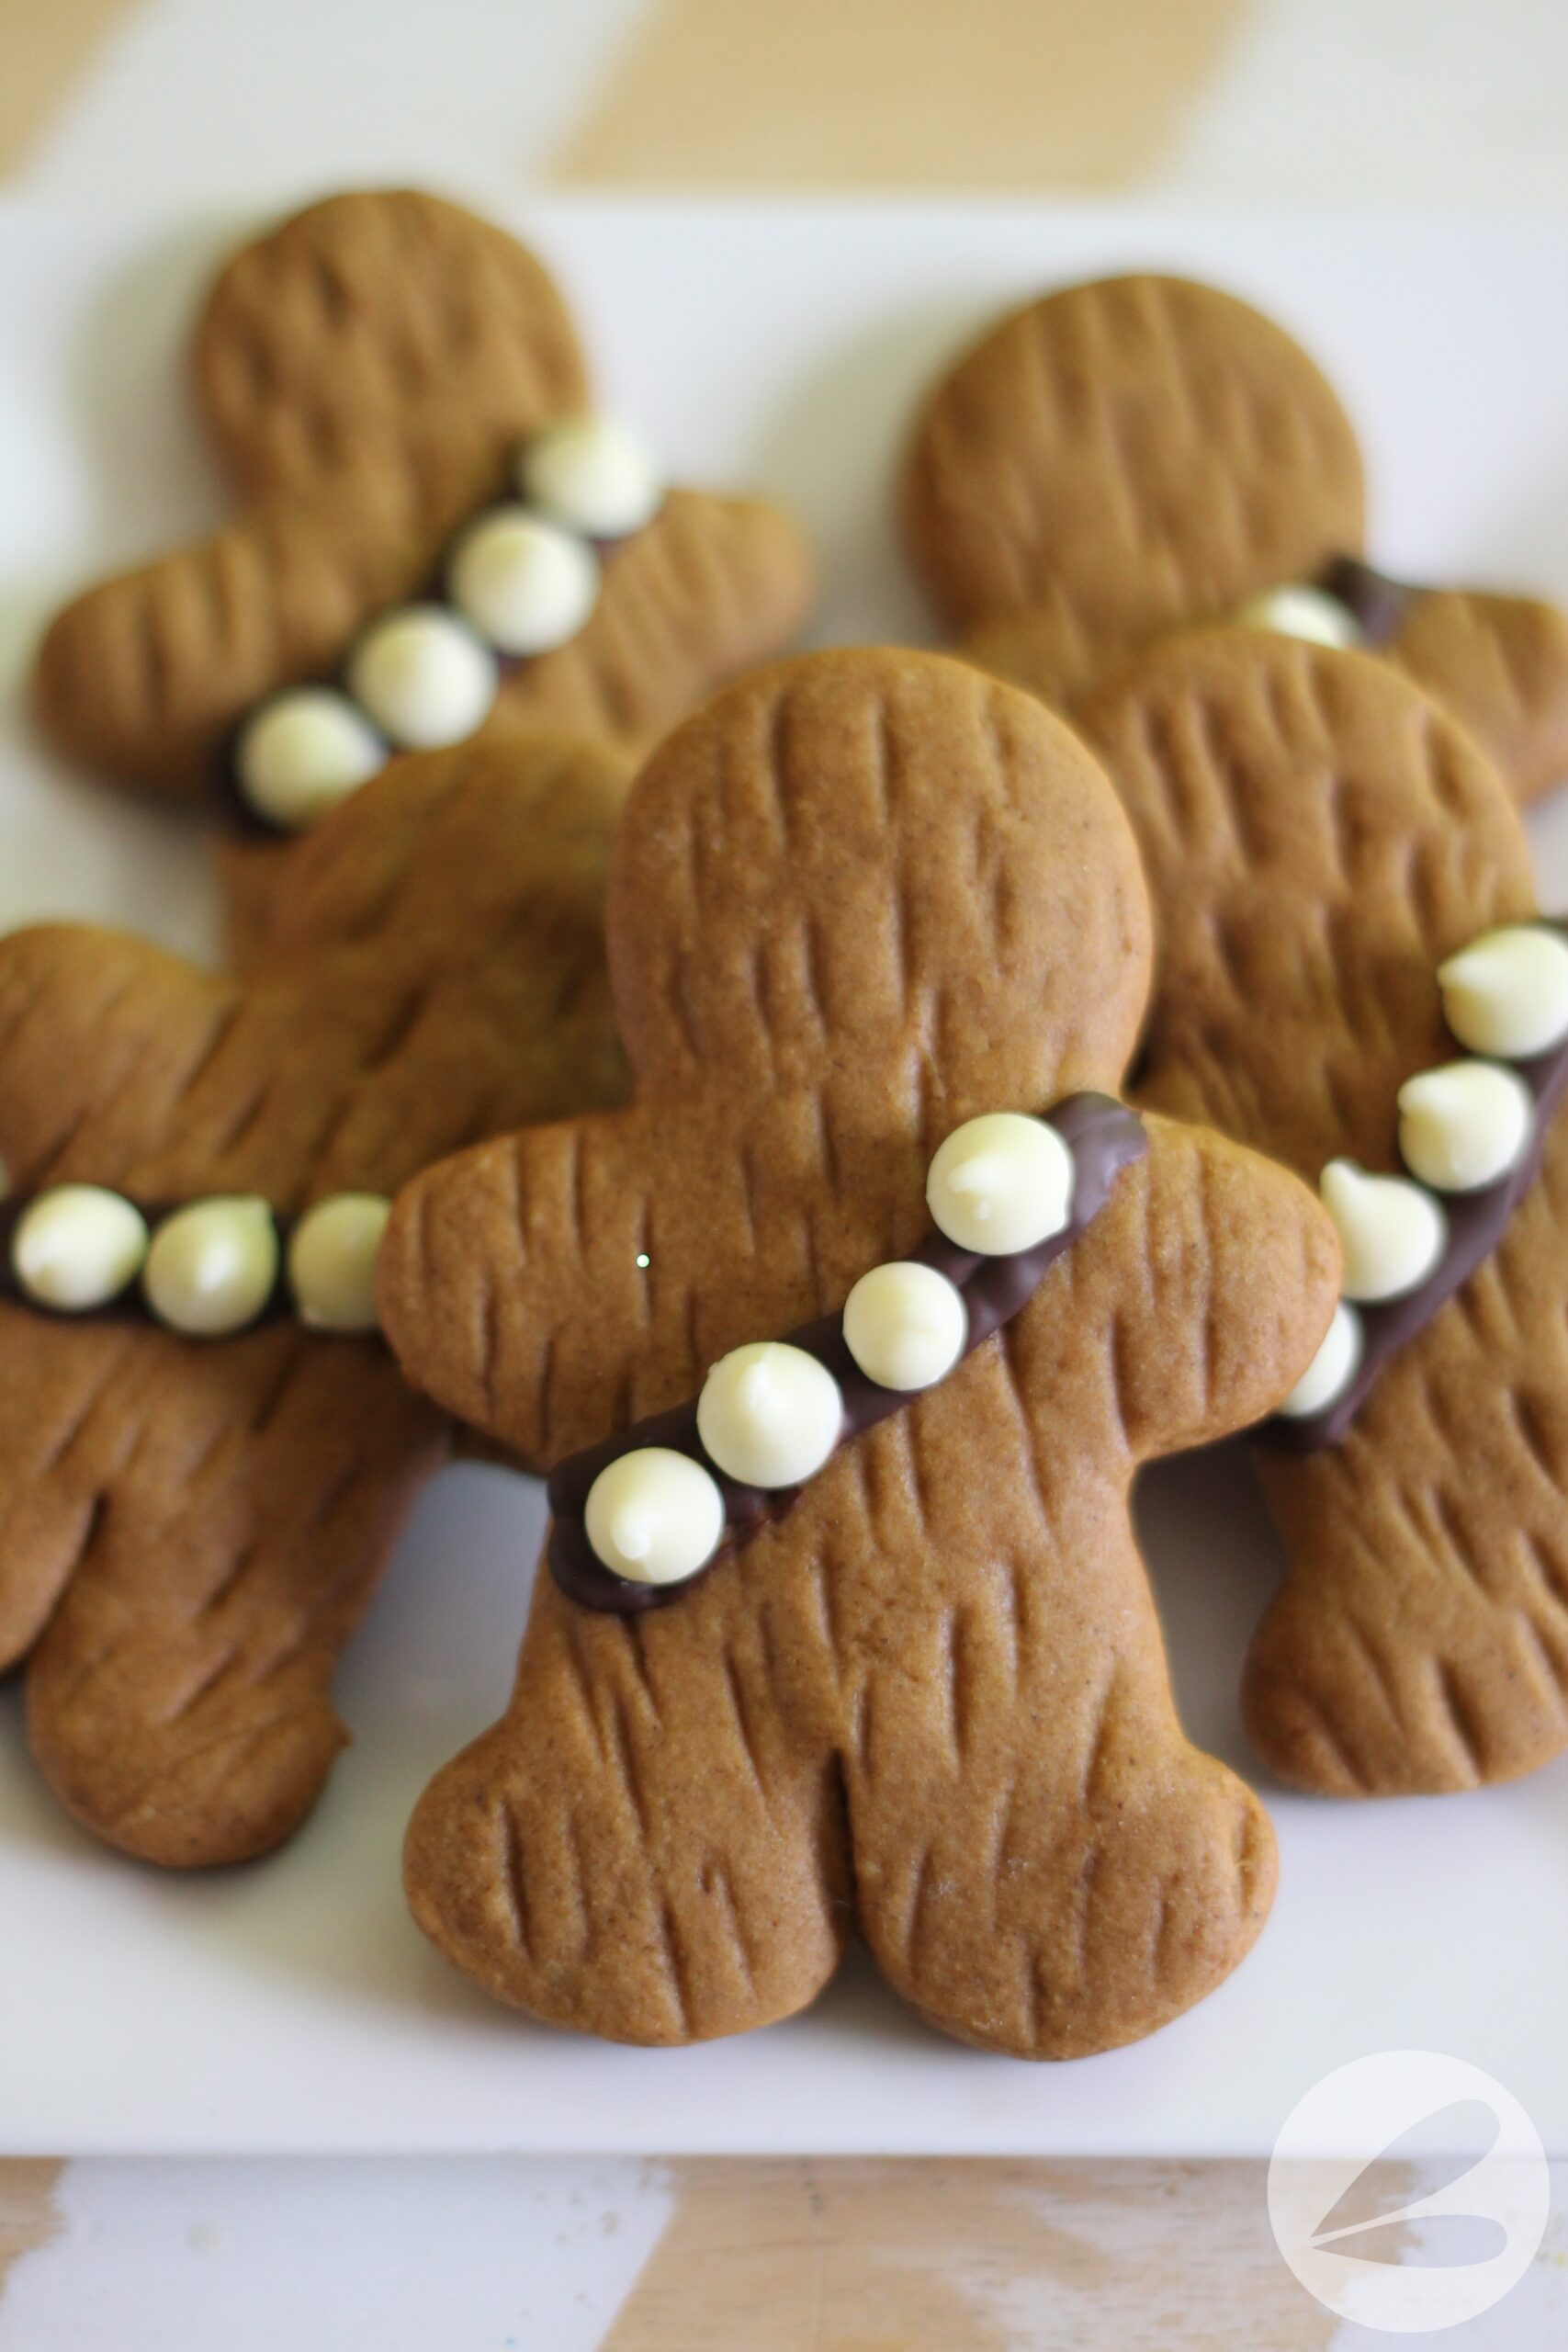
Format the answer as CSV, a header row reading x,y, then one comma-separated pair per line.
x,y
555,1285
1500,663
709,589
142,677
100,1035
1201,1297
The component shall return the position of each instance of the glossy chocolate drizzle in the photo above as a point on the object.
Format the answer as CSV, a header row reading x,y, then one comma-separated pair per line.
x,y
1103,1138
1377,602
1477,1223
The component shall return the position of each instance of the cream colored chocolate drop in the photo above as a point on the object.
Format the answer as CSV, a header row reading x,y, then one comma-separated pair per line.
x,y
304,752
212,1267
1001,1183
1464,1126
592,476
1311,614
1331,1371
526,584
654,1515
424,677
770,1414
78,1246
1507,993
1392,1233
331,1261
906,1325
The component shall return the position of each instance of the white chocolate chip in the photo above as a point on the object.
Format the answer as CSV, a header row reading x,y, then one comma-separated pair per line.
x,y
769,1414
654,1515
304,752
331,1261
424,677
905,1325
78,1246
521,582
1301,610
1331,1371
1464,1126
1392,1233
1507,993
593,476
212,1267
1001,1183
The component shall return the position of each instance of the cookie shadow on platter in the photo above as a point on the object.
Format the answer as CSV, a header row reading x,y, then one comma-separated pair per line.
x,y
1215,1562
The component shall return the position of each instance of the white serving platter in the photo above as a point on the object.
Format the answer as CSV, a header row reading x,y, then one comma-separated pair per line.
x,y
292,2006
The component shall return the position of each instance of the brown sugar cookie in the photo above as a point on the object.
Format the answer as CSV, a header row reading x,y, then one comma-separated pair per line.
x,y
203,1455
1320,841
857,902
396,392
1141,455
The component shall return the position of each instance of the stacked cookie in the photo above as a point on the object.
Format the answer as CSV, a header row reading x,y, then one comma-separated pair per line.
x,y
208,1458
741,1144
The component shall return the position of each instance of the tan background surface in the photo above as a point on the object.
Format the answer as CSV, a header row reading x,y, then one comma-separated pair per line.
x,y
881,93
1084,95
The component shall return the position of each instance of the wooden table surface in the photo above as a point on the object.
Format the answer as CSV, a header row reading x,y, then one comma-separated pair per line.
x,y
1066,96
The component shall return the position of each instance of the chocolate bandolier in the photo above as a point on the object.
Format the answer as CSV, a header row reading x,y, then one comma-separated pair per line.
x,y
1101,1138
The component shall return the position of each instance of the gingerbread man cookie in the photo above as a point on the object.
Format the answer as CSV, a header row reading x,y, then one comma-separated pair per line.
x,y
435,535
1353,978
1125,458
205,1448
871,914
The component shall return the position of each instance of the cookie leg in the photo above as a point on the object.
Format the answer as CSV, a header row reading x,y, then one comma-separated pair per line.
x,y
63,1424
649,1845
1045,1866
179,1701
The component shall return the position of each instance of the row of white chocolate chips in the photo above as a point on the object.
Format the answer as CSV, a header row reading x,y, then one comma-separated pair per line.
x,y
770,1414
521,579
1461,1127
206,1270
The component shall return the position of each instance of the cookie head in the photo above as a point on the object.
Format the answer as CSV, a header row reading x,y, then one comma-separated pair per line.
x,y
1318,836
386,329
1119,459
869,873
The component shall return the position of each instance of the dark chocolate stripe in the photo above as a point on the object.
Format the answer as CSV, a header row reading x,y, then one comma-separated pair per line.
x,y
1378,603
1477,1223
1103,1137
